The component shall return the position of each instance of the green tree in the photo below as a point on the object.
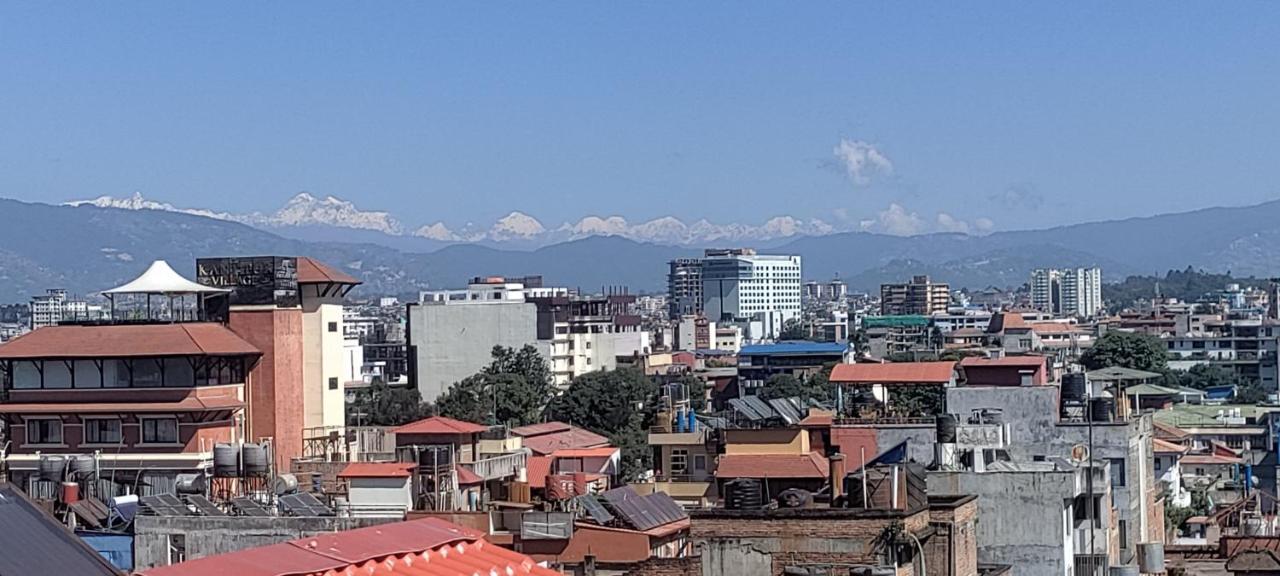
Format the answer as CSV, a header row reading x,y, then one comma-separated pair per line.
x,y
383,405
619,404
793,329
513,389
1127,350
1202,376
782,386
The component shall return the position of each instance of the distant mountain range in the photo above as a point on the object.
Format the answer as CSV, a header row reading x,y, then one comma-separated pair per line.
x,y
310,218
88,248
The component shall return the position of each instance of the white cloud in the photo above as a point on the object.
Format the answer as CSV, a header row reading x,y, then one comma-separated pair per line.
x,y
862,161
984,226
949,223
899,221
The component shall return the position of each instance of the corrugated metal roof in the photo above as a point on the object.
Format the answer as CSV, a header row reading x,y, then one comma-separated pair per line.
x,y
426,547
32,542
811,465
793,347
894,373
378,470
571,437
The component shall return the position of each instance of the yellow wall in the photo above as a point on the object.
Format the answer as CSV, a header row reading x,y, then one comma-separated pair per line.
x,y
771,441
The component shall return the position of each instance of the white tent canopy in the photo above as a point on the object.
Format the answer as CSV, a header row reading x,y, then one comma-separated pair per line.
x,y
161,279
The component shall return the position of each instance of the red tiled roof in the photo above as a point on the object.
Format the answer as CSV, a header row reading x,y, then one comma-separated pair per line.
x,y
316,272
378,470
963,332
440,425
811,465
466,477
536,470
894,373
1166,447
426,547
573,437
189,404
1023,361
1002,321
128,341
599,452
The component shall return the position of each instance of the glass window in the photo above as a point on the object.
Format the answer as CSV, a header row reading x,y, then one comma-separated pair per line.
x,y
44,431
333,383
102,430
679,461
160,431
333,326
1117,471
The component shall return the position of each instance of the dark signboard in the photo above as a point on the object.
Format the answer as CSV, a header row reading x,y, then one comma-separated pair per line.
x,y
254,280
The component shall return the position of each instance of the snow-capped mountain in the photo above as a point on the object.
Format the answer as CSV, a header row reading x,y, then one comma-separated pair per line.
x,y
305,211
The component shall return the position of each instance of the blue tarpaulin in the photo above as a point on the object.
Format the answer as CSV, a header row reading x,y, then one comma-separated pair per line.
x,y
116,548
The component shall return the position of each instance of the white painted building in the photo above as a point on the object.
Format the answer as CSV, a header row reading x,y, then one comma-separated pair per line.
x,y
54,306
1067,291
325,355
740,284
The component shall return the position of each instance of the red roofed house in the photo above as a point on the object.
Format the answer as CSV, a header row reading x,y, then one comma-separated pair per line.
x,y
453,471
1006,371
545,438
781,457
426,547
151,399
882,378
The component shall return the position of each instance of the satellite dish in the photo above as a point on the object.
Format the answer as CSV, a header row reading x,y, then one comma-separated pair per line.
x,y
1079,453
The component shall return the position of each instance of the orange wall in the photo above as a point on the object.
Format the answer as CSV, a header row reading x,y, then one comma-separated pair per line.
x,y
275,384
766,441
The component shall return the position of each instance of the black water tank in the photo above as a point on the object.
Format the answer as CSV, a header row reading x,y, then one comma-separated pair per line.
x,y
795,498
1101,409
946,429
743,494
1073,386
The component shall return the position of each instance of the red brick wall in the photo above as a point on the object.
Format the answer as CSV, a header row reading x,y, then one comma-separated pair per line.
x,y
953,550
667,567
275,384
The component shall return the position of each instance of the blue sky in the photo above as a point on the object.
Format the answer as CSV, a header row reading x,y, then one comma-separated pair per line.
x,y
1020,114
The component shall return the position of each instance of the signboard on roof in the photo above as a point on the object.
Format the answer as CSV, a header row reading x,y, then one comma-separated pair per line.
x,y
253,280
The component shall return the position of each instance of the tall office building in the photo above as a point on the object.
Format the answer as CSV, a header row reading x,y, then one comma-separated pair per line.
x,y
740,285
1067,291
684,287
920,296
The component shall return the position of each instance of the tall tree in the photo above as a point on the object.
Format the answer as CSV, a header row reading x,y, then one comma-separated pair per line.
x,y
383,405
513,389
619,404
1127,350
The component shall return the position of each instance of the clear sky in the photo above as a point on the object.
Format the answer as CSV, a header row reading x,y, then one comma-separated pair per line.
x,y
1026,114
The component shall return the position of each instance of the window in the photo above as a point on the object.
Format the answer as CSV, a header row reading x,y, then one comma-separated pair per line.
x,y
44,431
1123,528
679,461
160,431
1117,472
1159,464
333,383
700,462
102,430
333,326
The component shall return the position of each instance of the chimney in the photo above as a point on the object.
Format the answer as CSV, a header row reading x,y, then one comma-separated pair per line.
x,y
837,475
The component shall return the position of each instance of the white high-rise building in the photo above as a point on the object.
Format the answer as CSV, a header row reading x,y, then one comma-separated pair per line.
x,y
1067,291
743,285
54,307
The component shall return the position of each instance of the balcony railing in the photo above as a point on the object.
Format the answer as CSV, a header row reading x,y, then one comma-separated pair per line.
x,y
504,466
887,421
349,443
1091,565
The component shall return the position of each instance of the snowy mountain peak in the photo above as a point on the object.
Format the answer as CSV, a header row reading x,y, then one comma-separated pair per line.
x,y
437,231
305,210
516,226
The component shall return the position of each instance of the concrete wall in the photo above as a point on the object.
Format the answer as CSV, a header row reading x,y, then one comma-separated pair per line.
x,y
1023,517
202,536
1035,430
454,341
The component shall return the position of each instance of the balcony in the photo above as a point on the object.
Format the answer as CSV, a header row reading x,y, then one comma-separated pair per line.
x,y
1091,565
504,466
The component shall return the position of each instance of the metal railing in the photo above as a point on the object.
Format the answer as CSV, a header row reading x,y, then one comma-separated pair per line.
x,y
887,421
503,466
1091,565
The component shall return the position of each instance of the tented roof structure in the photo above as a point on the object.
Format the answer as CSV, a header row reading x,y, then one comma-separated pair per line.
x,y
161,279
